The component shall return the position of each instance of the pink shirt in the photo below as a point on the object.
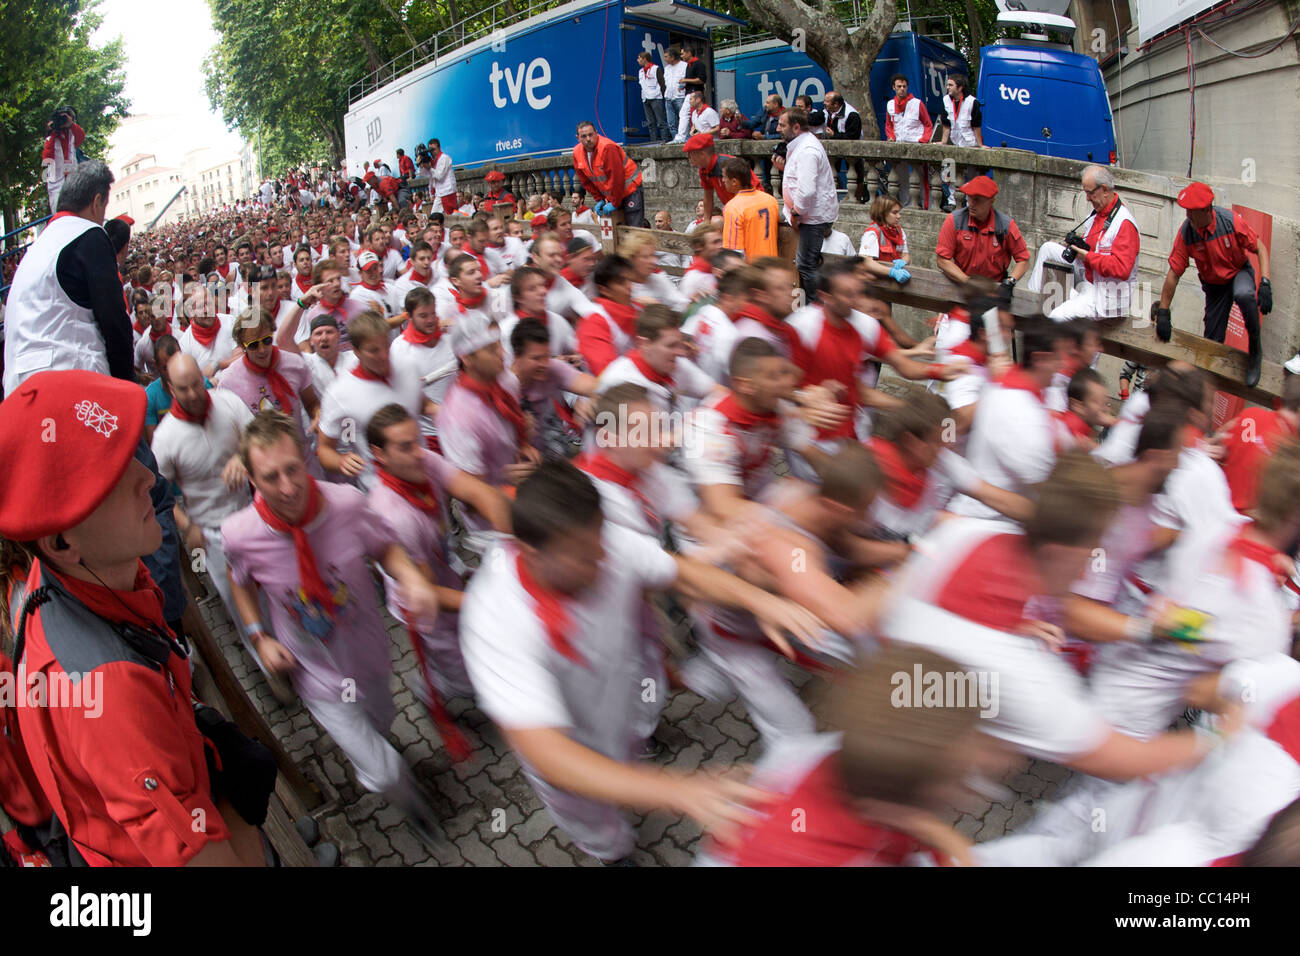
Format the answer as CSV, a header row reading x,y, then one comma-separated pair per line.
x,y
254,390
422,535
352,647
477,440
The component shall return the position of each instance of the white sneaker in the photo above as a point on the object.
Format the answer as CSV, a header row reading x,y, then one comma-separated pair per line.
x,y
1293,366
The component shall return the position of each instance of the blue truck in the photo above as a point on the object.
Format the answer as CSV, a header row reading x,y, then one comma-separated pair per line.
x,y
520,91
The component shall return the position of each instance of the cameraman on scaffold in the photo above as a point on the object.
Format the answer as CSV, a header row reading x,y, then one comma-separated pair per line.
x,y
1103,251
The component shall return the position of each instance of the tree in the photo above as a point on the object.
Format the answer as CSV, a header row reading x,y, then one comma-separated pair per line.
x,y
47,60
816,27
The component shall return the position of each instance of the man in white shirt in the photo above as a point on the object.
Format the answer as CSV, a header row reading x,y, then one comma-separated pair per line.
x,y
659,364
704,118
197,449
674,87
442,181
551,631
210,336
808,191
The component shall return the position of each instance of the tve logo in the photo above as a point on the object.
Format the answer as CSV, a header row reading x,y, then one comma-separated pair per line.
x,y
812,86
1017,94
527,80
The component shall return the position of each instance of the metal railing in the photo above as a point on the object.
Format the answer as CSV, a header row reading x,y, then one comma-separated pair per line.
x,y
464,31
936,26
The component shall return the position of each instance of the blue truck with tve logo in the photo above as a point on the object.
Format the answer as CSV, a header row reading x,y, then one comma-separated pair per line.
x,y
520,91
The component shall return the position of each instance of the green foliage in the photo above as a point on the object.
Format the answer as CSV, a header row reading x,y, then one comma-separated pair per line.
x,y
47,60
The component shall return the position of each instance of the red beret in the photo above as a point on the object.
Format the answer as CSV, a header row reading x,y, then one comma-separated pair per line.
x,y
74,432
126,219
698,141
496,176
980,186
1196,196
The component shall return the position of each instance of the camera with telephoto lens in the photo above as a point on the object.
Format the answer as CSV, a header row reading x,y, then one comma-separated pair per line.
x,y
1073,239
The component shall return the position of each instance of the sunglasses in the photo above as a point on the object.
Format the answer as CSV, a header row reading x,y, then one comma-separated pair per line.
x,y
260,343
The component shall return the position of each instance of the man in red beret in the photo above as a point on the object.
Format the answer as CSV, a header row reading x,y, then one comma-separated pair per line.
x,y
114,742
497,192
705,160
1217,240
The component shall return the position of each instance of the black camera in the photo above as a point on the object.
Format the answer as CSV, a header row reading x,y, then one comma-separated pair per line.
x,y
1073,239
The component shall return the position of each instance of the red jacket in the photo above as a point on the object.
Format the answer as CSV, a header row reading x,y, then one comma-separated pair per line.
x,y
611,175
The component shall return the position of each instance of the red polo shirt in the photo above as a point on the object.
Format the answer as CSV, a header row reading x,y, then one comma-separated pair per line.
x,y
1218,258
711,178
977,250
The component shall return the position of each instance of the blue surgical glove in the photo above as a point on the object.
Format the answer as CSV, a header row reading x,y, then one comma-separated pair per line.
x,y
899,272
606,208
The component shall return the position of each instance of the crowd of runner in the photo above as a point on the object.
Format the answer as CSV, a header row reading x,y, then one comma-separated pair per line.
x,y
536,452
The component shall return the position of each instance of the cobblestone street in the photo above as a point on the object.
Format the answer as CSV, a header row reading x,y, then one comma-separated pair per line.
x,y
489,811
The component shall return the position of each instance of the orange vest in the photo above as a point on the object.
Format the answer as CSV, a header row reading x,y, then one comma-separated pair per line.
x,y
611,175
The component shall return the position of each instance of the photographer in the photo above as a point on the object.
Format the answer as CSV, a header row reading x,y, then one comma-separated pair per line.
x,y
60,153
1103,250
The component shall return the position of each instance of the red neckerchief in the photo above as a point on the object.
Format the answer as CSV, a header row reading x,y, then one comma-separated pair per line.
x,y
465,303
550,611
480,259
731,409
420,494
142,606
833,834
893,234
360,372
905,486
572,277
416,337
179,411
536,317
774,325
644,368
598,466
1241,548
956,105
278,384
311,584
1018,378
1074,424
373,288
205,336
302,282
155,336
624,316
496,397
422,279
224,271
1099,223
900,105
700,265
582,208
976,353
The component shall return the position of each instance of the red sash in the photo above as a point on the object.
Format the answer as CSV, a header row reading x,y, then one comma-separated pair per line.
x,y
279,385
205,335
420,495
311,583
501,401
551,612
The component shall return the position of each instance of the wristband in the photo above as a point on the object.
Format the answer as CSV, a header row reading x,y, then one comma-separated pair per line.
x,y
251,631
935,371
1139,629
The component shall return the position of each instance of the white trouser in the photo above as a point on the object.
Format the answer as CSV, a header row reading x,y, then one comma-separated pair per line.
x,y
358,727
754,674
53,190
1085,301
653,695
684,120
441,645
214,558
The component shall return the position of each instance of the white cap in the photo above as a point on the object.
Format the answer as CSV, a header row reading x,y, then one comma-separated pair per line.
x,y
472,332
367,258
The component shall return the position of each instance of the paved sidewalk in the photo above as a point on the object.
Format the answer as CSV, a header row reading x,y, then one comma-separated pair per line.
x,y
489,811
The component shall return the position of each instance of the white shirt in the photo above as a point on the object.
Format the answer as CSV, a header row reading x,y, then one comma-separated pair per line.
x,y
383,298
351,401
443,179
1011,444
221,348
564,299
674,80
659,288
838,244
522,681
809,183
393,264
421,360
715,337
564,339
688,382
194,456
705,120
323,374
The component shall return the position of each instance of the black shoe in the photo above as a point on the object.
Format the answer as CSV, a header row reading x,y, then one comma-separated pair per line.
x,y
426,826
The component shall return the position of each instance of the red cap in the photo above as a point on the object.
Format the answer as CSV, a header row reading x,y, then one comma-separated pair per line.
x,y
980,186
1196,196
698,141
496,176
74,432
126,219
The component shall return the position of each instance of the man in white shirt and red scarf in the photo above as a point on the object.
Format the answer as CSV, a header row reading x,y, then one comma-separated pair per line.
x,y
908,121
550,627
1105,264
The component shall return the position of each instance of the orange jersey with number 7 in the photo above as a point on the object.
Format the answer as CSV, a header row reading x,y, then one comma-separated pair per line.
x,y
749,224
